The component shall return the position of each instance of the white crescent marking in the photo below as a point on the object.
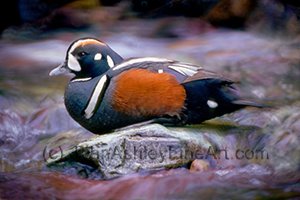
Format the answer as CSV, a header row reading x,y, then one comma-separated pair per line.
x,y
90,109
110,61
73,63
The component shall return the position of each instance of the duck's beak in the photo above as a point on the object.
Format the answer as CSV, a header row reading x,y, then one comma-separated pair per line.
x,y
60,69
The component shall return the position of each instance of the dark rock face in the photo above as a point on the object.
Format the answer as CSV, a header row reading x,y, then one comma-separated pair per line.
x,y
109,2
35,11
190,8
12,17
231,13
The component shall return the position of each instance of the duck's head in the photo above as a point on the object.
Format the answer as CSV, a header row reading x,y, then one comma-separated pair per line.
x,y
88,58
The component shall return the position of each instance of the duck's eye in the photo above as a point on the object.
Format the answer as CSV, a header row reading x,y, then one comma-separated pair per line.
x,y
81,54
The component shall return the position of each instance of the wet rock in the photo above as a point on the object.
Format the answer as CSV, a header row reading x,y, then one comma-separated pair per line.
x,y
153,147
150,147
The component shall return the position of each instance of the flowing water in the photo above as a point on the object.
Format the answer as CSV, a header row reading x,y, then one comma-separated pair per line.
x,y
33,117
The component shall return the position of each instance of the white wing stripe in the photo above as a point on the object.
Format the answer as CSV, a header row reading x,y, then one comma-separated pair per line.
x,y
183,70
189,72
140,60
177,69
188,66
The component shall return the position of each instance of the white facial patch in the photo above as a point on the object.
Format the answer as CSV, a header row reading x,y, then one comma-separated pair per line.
x,y
73,63
212,104
110,62
98,56
90,109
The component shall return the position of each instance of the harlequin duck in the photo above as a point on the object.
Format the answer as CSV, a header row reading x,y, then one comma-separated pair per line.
x,y
108,92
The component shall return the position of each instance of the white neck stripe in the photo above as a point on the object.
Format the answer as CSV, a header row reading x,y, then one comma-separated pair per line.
x,y
81,79
90,109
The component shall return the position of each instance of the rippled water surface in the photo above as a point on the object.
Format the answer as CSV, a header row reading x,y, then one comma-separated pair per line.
x,y
33,119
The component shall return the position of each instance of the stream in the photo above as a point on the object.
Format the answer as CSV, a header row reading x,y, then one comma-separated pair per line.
x,y
33,117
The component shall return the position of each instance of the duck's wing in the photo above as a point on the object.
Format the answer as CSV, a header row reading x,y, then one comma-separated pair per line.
x,y
182,71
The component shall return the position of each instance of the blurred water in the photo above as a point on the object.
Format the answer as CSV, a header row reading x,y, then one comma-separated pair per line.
x,y
33,116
